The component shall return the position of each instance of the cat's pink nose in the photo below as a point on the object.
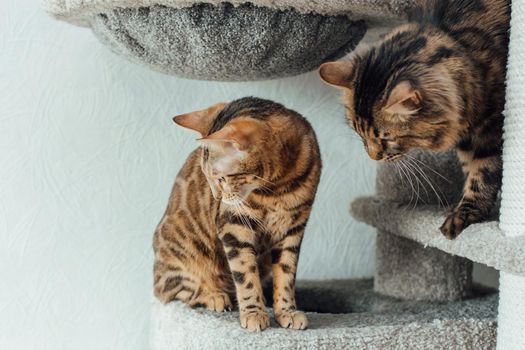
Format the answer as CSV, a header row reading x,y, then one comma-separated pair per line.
x,y
374,153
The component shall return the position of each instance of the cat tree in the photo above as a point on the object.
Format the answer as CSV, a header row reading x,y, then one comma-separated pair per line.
x,y
422,295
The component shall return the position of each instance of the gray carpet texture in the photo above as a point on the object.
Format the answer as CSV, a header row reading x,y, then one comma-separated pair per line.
x,y
79,11
407,270
421,178
484,243
227,43
343,314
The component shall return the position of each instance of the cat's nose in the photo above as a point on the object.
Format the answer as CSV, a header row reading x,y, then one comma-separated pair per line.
x,y
375,152
376,156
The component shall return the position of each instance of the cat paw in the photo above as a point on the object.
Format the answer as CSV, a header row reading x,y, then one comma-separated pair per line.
x,y
292,319
217,302
255,321
453,225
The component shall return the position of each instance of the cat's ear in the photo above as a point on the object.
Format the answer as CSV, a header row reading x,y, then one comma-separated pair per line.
x,y
337,73
403,100
200,121
236,135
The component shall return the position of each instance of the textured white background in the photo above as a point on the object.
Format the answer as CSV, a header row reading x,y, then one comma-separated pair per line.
x,y
88,154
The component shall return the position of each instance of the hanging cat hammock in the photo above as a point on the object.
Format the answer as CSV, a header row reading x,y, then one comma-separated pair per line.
x,y
231,41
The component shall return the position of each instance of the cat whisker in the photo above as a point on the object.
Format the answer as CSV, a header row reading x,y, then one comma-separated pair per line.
x,y
396,166
427,179
429,167
256,220
419,184
238,211
263,179
267,189
416,176
404,169
264,187
421,174
402,178
402,175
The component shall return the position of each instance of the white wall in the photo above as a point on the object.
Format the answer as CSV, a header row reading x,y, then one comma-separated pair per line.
x,y
88,154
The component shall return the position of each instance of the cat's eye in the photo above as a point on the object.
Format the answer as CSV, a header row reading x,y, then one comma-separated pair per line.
x,y
396,148
221,179
238,174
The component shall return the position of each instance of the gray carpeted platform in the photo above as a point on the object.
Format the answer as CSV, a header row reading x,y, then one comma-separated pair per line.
x,y
483,243
343,314
79,11
229,40
224,42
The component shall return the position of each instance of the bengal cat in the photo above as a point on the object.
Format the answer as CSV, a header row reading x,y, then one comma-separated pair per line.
x,y
238,211
436,83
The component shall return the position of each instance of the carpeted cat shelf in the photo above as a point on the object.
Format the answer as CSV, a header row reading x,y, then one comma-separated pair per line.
x,y
422,296
228,40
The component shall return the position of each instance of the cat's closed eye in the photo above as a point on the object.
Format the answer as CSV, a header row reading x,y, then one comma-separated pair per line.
x,y
238,174
395,147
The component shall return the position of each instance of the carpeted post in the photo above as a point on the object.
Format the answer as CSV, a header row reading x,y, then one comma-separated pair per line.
x,y
405,269
511,318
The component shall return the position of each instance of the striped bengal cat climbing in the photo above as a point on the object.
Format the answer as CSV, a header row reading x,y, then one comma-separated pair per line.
x,y
238,211
436,83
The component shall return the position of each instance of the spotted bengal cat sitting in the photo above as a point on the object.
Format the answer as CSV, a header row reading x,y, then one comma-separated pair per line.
x,y
436,83
238,210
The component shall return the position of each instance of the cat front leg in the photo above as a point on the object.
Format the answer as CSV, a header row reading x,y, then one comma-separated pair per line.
x,y
285,255
483,171
238,240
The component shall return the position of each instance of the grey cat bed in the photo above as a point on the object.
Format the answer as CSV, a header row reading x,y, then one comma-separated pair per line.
x,y
343,314
219,41
227,43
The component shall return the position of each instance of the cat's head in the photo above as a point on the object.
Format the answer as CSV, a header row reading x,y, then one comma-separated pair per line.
x,y
231,150
398,103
